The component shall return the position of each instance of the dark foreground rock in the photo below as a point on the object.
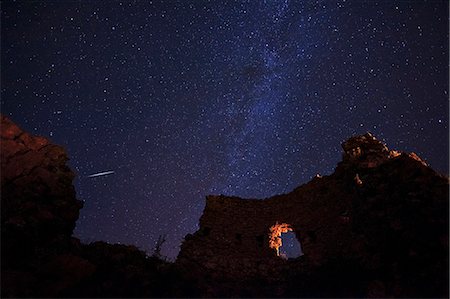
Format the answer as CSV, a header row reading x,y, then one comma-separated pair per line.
x,y
376,227
40,258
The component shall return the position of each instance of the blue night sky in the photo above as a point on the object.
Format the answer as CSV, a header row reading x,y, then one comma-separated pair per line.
x,y
187,98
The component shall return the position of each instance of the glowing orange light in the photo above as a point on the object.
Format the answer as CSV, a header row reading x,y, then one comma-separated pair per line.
x,y
275,235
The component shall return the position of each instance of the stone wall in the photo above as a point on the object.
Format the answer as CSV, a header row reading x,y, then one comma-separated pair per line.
x,y
234,235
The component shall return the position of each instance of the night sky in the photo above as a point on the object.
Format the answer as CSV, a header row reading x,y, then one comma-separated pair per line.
x,y
181,99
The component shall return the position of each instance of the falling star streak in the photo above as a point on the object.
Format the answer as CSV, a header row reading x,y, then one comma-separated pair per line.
x,y
100,174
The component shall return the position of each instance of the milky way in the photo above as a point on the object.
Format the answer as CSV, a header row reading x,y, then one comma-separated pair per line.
x,y
188,98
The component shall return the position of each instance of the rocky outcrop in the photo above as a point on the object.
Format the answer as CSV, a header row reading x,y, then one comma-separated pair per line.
x,y
39,212
39,207
381,212
40,258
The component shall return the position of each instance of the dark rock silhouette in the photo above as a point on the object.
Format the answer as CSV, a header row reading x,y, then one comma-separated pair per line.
x,y
40,258
39,207
376,227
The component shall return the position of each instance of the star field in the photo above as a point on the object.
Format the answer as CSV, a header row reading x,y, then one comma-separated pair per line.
x,y
187,98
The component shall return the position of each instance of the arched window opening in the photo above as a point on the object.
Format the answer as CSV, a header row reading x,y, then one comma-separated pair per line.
x,y
284,241
291,247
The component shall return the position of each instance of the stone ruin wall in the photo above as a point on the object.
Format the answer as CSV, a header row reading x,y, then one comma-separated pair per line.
x,y
234,234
